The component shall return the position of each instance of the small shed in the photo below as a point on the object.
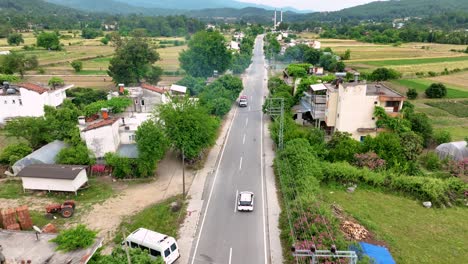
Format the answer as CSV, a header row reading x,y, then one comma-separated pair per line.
x,y
50,177
453,150
178,89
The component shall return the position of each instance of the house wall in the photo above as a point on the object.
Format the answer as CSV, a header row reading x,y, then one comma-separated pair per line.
x,y
330,111
55,184
355,110
102,140
56,97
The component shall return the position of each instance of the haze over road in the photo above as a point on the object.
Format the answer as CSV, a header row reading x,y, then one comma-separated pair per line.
x,y
225,235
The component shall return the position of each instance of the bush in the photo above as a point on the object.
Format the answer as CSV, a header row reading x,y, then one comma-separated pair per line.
x,y
442,136
77,65
432,74
369,160
412,94
436,90
431,161
56,81
75,155
13,153
384,74
75,238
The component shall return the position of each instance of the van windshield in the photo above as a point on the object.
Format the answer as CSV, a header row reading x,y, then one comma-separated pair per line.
x,y
167,252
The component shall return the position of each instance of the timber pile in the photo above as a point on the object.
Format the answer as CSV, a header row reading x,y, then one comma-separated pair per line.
x,y
354,231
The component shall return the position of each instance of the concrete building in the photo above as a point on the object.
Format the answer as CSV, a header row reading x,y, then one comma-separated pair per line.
x,y
348,107
110,133
28,99
50,177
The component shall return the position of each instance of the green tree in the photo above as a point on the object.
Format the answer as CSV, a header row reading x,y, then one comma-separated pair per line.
x,y
412,94
421,124
74,238
387,146
16,62
193,84
188,126
15,152
35,130
56,81
90,33
384,74
119,256
15,39
347,55
75,155
342,147
152,144
133,61
84,96
48,40
442,136
412,145
206,52
8,78
436,90
77,65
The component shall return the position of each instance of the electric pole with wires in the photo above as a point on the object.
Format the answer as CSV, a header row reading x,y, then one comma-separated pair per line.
x,y
275,108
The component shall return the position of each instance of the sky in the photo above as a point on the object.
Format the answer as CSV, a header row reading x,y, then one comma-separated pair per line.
x,y
315,5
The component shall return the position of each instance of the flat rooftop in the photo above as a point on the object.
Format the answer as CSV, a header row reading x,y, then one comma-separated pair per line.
x,y
22,245
372,89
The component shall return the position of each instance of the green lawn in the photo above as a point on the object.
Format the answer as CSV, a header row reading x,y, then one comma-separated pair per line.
x,y
401,62
158,217
421,85
98,191
414,234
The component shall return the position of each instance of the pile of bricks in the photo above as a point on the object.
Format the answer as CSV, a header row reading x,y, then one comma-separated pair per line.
x,y
24,218
16,219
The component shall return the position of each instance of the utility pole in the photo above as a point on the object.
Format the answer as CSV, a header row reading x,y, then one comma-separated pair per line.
x,y
183,174
276,109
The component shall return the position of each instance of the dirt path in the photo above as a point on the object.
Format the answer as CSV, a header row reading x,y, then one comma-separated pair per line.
x,y
34,203
106,217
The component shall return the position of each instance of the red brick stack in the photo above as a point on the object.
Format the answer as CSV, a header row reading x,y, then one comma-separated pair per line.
x,y
24,218
9,219
49,228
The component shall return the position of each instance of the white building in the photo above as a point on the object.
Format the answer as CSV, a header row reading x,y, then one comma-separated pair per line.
x,y
315,44
234,45
111,133
348,107
48,177
28,99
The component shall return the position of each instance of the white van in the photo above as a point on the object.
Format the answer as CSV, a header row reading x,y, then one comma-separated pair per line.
x,y
157,244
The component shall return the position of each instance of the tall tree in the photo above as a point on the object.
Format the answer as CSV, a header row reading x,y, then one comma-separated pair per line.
x,y
152,144
48,40
188,126
16,62
207,52
15,39
133,61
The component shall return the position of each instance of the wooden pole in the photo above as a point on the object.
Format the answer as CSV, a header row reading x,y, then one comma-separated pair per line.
x,y
183,174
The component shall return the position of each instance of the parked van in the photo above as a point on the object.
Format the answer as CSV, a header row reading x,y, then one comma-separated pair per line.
x,y
156,244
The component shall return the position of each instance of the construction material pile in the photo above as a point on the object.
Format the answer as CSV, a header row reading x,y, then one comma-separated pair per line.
x,y
16,219
354,231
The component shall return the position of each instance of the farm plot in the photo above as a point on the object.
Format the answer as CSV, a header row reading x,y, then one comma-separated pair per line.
x,y
422,84
457,108
170,58
459,80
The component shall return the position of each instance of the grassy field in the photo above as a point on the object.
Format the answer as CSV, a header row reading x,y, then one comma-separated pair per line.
x,y
422,84
386,63
414,234
459,80
158,217
457,108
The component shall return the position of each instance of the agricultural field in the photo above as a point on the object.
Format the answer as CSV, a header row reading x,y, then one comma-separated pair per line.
x,y
422,84
459,80
414,234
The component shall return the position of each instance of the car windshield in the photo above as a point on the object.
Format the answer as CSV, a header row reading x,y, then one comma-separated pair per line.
x,y
245,203
243,100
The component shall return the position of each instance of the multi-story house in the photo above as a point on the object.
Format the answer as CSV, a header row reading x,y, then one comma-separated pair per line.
x,y
27,99
348,107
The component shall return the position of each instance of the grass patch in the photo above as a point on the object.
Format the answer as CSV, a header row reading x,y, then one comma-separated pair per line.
x,y
457,108
92,72
11,189
415,234
421,85
98,191
158,217
402,62
102,59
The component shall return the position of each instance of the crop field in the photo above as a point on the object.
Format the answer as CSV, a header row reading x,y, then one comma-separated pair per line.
x,y
170,58
459,80
454,107
422,84
413,233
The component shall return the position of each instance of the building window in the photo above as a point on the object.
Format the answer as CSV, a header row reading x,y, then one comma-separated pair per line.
x,y
131,137
362,138
20,102
142,102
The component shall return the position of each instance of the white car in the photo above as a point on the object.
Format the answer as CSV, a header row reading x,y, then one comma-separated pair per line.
x,y
243,101
245,201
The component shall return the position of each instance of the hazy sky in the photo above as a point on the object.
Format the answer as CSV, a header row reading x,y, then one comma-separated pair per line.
x,y
316,5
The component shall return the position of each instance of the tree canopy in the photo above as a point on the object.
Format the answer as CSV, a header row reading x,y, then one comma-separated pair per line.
x,y
133,62
206,52
48,40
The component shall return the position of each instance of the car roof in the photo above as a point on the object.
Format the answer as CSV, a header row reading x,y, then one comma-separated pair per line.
x,y
243,97
246,196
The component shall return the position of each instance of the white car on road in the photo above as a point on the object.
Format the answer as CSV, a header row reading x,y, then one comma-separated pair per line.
x,y
245,201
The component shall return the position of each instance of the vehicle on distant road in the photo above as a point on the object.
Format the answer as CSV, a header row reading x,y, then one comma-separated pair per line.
x,y
157,244
243,101
245,201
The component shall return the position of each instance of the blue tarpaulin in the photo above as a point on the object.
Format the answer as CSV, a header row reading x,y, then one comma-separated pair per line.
x,y
379,254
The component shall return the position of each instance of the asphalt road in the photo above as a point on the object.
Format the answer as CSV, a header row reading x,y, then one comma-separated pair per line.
x,y
225,235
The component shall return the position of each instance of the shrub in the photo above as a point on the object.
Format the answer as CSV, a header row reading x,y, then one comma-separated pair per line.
x,y
13,153
412,94
436,90
369,160
384,74
442,136
77,65
56,81
75,238
431,161
431,73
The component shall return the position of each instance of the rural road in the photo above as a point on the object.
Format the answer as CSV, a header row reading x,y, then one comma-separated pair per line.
x,y
225,235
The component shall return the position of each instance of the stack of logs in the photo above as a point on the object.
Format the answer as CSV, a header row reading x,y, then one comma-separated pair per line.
x,y
354,231
16,219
